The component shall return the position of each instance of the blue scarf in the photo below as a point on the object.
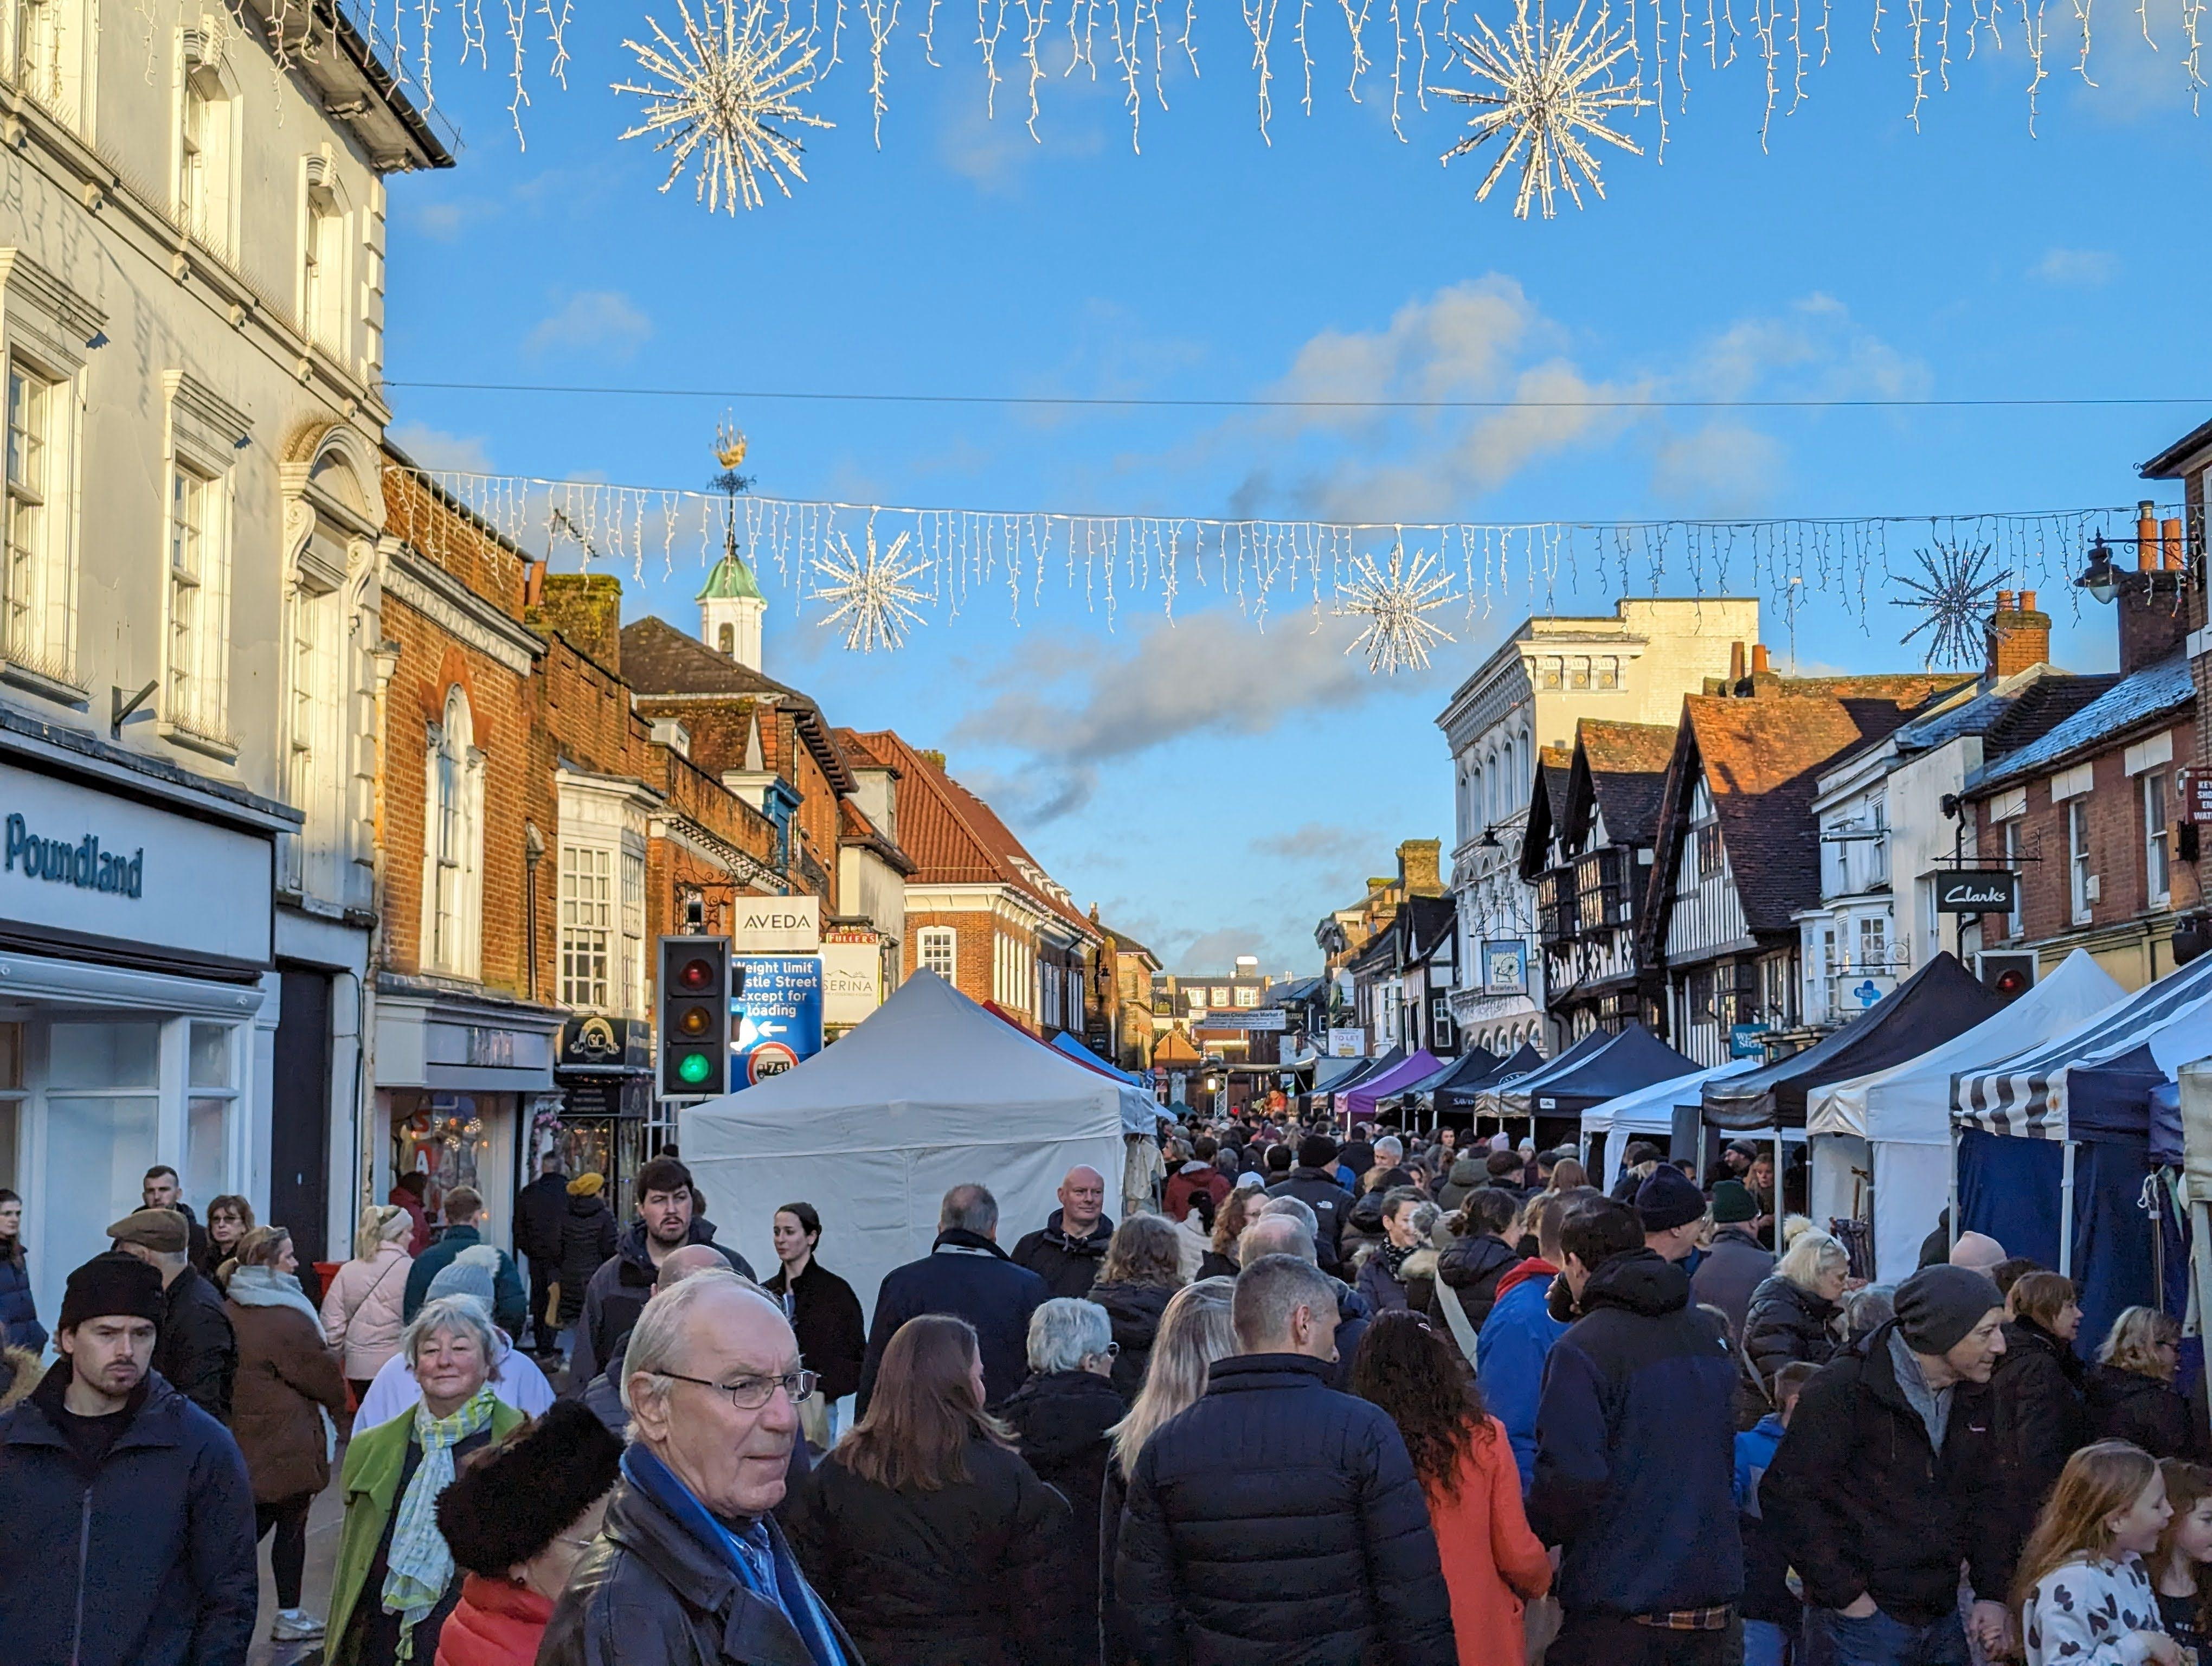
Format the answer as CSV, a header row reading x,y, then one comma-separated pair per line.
x,y
759,1556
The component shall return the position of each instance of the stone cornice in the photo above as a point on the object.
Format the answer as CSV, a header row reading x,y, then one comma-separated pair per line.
x,y
458,610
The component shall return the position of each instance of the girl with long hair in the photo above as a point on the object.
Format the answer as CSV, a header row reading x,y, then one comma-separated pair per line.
x,y
19,1311
1492,1562
2083,1594
2178,1566
1237,1210
927,1532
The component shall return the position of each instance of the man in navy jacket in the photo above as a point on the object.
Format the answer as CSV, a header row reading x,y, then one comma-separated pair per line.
x,y
967,1274
1636,1458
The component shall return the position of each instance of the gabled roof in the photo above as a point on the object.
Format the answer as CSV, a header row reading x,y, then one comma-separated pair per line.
x,y
1760,758
953,837
2169,464
1620,768
659,661
853,828
1124,943
2154,691
1547,817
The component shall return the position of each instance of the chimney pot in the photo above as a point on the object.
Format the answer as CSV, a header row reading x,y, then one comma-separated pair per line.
x,y
2146,536
2004,601
1736,662
2169,533
2027,601
1759,666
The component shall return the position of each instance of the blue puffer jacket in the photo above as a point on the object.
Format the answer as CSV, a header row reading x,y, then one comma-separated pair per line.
x,y
146,1560
1508,1356
1635,1447
1279,1520
19,1315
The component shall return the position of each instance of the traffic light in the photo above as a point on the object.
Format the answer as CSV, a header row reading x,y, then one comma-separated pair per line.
x,y
2007,973
694,1017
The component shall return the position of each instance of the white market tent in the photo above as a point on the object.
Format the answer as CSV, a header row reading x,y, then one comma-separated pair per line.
x,y
1648,1112
929,1092
1895,1124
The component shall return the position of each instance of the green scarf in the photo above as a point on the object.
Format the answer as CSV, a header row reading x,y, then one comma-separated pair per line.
x,y
420,1566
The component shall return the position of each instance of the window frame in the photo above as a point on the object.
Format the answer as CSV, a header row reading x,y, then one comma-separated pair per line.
x,y
2158,833
586,967
927,940
206,434
2077,859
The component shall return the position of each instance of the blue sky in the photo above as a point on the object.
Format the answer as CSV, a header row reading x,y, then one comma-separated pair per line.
x,y
1214,786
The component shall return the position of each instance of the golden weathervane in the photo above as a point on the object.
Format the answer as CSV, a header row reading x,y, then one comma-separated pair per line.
x,y
729,446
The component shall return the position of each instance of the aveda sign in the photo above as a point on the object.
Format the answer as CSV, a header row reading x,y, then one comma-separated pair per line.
x,y
777,925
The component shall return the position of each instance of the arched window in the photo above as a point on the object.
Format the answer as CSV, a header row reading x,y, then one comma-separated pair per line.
x,y
453,834
725,640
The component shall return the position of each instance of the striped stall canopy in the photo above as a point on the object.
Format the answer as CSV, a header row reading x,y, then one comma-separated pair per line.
x,y
2095,1078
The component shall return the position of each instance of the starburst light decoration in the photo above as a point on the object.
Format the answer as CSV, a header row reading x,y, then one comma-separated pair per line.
x,y
1549,91
1396,604
873,592
727,93
1955,596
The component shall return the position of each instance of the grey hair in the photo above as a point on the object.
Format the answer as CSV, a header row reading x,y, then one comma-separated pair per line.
x,y
657,1340
1273,1235
1389,1142
968,1208
1270,1290
462,1314
1298,1209
1426,1217
1065,1331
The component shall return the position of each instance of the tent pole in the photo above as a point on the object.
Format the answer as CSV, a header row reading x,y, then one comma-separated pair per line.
x,y
2066,1213
1953,1215
2200,1256
1781,1205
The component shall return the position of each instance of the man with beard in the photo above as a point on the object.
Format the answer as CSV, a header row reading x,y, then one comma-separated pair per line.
x,y
667,1221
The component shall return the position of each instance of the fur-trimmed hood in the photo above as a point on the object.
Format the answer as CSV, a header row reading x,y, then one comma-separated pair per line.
x,y
1421,1264
20,1372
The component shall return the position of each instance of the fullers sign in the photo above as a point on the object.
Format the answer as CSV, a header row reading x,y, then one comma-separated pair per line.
x,y
1976,890
83,864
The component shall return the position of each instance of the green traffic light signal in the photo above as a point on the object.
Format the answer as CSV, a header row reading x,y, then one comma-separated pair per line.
x,y
695,1067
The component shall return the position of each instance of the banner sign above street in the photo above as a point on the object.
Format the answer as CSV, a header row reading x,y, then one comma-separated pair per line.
x,y
1261,1018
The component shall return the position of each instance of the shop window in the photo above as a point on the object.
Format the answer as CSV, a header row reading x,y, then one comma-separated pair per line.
x,y
633,930
101,1114
586,924
937,948
11,1105
210,1109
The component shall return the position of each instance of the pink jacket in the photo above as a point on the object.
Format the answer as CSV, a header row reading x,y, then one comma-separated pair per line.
x,y
362,1310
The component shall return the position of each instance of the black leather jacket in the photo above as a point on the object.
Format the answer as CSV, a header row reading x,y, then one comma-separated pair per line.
x,y
647,1593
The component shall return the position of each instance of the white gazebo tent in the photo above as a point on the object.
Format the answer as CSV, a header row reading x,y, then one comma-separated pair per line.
x,y
929,1092
1893,1128
1648,1113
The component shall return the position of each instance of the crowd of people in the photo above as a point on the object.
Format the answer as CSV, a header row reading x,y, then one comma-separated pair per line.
x,y
1390,1399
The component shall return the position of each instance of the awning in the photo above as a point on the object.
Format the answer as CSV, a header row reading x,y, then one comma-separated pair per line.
x,y
1477,1059
1459,1086
1075,1050
1384,1085
1389,1060
1650,1110
2097,1077
1935,1004
1634,1058
1330,1071
1491,1100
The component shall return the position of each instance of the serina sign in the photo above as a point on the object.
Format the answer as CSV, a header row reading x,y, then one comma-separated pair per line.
x,y
1976,890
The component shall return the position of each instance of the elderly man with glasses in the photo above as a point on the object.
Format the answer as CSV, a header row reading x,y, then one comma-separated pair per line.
x,y
690,1566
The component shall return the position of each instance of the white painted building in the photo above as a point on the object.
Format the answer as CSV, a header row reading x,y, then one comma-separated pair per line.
x,y
191,282
1548,675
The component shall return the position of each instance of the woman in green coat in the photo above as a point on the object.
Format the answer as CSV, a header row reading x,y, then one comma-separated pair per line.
x,y
395,1580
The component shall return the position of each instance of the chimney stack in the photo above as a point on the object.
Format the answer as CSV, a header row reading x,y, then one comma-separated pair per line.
x,y
2018,635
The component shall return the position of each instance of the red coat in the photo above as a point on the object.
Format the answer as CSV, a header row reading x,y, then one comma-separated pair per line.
x,y
1184,1186
1491,1559
498,1624
422,1237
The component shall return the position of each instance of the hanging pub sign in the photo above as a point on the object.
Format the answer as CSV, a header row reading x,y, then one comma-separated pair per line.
x,y
2196,795
1976,890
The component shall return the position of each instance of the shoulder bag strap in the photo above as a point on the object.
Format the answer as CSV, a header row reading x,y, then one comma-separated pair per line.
x,y
1455,1316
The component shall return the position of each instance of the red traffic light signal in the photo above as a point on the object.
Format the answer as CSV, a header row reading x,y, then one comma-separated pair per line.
x,y
696,975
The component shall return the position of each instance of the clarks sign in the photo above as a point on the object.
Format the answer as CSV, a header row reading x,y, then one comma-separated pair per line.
x,y
1976,890
84,864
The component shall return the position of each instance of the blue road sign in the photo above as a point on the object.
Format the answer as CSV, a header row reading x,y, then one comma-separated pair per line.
x,y
778,1007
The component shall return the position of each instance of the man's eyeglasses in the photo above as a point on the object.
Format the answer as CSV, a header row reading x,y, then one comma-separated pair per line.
x,y
749,1393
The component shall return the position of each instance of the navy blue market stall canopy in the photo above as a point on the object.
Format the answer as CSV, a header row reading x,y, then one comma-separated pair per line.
x,y
1458,1092
1939,1001
1487,1100
1619,1064
1474,1064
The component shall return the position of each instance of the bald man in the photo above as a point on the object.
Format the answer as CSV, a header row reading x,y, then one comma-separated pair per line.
x,y
1067,1252
1976,1251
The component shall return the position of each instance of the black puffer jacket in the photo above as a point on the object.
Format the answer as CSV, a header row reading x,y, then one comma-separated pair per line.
x,y
2036,1422
2126,1405
975,1574
1317,1188
1859,1502
1135,1310
198,1351
1275,1521
647,1593
1472,1267
1787,1322
1061,1419
588,1234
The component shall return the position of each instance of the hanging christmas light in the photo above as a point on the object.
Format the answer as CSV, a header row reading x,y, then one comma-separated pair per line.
x,y
872,593
1394,605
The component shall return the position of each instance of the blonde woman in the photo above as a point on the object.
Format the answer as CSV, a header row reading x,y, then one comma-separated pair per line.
x,y
2131,1396
1793,1315
1194,1333
362,1308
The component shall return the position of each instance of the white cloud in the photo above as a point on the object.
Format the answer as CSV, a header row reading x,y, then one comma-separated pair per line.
x,y
602,323
1724,467
435,449
2076,269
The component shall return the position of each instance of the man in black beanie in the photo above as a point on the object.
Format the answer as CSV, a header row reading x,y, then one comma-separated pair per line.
x,y
1314,1185
1886,1481
130,1518
1673,1213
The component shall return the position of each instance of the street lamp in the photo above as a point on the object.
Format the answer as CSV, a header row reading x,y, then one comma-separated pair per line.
x,y
2102,580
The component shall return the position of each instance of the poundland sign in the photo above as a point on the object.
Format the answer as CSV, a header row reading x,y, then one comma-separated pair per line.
x,y
84,864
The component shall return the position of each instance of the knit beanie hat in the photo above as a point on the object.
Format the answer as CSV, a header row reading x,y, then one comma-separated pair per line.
x,y
1669,1198
1732,1204
474,1272
111,1286
506,1506
1316,1150
1938,1305
586,1184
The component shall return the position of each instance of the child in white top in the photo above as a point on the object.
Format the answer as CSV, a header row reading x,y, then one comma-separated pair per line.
x,y
2086,1597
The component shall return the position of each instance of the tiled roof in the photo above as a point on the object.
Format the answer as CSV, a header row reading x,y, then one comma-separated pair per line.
x,y
1627,766
853,827
2153,691
1124,943
660,660
952,837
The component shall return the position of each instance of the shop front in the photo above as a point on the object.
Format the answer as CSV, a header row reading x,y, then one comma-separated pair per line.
x,y
606,1074
138,998
463,1080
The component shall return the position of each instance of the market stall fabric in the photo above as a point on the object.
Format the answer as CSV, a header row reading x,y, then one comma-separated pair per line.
x,y
1621,1063
1892,1128
1375,1068
1458,1090
1646,1113
1935,1004
1475,1061
1385,1084
1331,1073
1076,1050
928,1091
1492,1100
